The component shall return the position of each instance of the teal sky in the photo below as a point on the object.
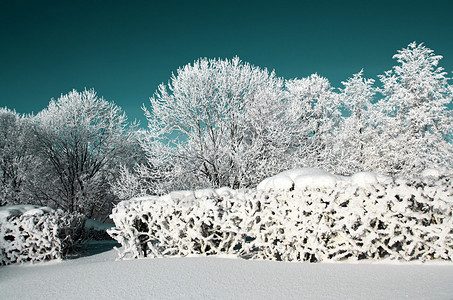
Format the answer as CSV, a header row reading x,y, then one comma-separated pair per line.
x,y
125,49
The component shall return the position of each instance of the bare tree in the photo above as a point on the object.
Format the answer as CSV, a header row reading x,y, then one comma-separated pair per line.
x,y
81,140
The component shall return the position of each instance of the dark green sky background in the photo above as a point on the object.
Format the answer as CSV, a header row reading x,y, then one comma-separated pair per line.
x,y
124,49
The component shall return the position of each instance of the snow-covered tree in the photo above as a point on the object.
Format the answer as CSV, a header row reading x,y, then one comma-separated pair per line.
x,y
15,144
415,123
81,140
313,113
223,122
354,136
153,173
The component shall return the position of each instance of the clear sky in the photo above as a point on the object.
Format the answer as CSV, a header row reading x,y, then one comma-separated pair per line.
x,y
125,49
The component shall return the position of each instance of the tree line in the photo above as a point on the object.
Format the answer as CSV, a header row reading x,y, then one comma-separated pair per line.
x,y
221,122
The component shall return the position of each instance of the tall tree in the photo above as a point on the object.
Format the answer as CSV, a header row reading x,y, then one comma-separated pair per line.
x,y
416,122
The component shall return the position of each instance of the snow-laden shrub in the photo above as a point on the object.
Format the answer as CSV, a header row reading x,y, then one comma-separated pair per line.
x,y
319,216
303,214
33,233
182,223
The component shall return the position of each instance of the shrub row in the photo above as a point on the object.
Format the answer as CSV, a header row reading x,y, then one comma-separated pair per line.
x,y
317,217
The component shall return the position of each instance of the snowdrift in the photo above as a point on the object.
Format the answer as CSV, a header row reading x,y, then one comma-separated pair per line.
x,y
298,215
33,233
100,277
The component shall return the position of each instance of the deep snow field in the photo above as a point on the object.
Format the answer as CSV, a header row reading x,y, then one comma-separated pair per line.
x,y
102,277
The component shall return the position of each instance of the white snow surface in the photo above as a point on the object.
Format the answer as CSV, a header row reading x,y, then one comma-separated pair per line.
x,y
101,277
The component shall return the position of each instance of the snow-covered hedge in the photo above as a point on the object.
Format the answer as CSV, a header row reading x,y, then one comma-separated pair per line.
x,y
182,223
302,214
33,233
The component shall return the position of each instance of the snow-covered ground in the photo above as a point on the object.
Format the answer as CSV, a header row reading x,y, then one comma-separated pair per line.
x,y
101,277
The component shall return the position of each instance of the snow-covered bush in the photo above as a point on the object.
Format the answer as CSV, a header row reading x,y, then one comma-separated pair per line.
x,y
182,223
33,233
313,215
302,214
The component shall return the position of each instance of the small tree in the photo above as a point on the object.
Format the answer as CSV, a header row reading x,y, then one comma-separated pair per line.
x,y
354,136
80,140
314,113
153,173
415,124
222,121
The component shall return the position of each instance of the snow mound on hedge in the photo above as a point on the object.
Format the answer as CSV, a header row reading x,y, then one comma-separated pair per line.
x,y
188,197
312,178
365,179
437,173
